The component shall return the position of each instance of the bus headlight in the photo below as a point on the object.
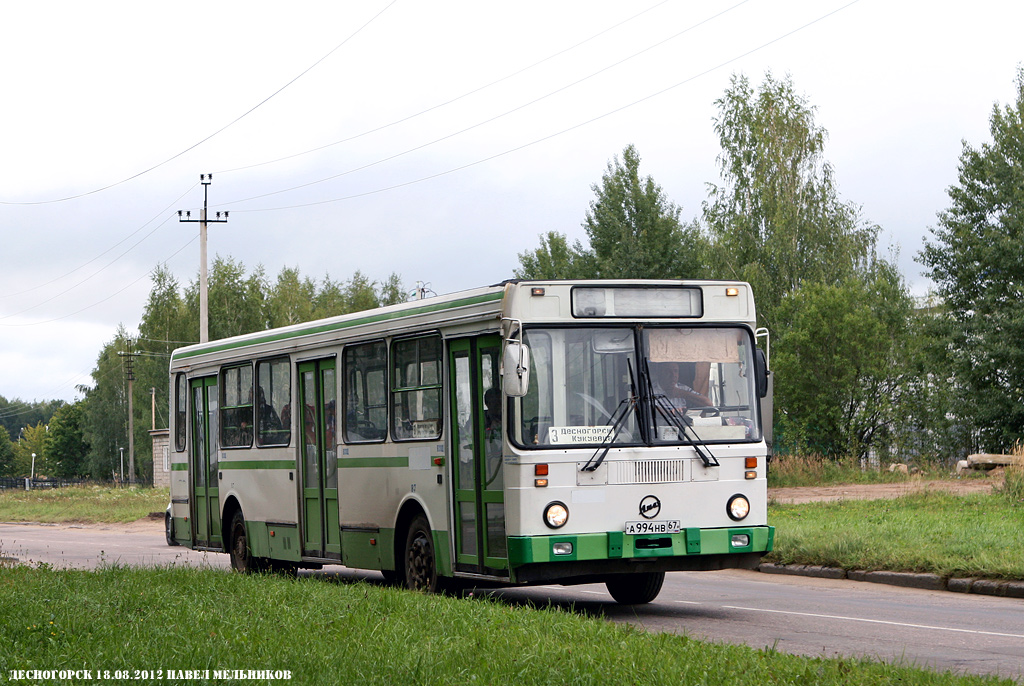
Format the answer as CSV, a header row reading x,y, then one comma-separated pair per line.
x,y
556,514
738,507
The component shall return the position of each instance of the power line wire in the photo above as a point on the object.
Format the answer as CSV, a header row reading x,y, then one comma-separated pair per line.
x,y
115,293
86,264
215,133
104,267
538,140
499,116
452,100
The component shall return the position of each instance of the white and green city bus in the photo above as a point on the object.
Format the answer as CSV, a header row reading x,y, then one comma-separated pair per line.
x,y
530,432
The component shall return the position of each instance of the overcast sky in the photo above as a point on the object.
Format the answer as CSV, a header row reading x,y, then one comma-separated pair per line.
x,y
432,139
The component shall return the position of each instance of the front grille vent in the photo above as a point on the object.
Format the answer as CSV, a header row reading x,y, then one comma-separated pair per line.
x,y
647,472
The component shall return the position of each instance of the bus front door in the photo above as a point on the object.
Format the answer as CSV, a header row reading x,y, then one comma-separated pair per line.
x,y
204,497
479,503
321,534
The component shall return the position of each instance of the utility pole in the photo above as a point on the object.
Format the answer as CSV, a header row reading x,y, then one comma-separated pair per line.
x,y
204,304
130,373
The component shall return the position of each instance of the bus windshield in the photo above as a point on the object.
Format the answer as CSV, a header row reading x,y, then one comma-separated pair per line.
x,y
633,385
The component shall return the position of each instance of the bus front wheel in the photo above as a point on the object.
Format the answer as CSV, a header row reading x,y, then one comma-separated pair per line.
x,y
635,589
420,559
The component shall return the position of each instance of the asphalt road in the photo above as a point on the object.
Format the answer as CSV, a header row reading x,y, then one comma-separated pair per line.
x,y
819,617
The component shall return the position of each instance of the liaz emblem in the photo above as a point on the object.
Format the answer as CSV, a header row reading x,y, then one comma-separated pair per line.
x,y
650,507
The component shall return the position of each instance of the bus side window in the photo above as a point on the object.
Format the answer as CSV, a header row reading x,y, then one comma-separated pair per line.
x,y
180,412
416,388
273,398
365,393
236,407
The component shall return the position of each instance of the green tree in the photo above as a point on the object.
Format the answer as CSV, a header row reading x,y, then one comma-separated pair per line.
x,y
33,440
329,300
237,300
166,324
360,293
66,449
357,294
240,302
555,259
776,220
977,263
6,453
840,376
105,423
292,299
16,414
633,232
391,291
839,313
932,422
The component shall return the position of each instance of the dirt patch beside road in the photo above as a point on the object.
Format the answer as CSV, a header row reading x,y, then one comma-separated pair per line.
x,y
810,494
144,525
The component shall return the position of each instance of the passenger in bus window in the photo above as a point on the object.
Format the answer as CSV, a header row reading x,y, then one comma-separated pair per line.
x,y
269,421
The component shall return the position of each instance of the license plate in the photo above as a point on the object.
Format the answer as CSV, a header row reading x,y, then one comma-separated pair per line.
x,y
654,526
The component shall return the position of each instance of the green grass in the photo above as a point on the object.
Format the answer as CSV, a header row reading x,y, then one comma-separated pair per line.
x,y
81,504
1013,485
969,535
327,632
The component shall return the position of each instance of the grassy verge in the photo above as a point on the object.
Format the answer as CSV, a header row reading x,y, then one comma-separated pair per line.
x,y
969,535
81,504
815,470
324,632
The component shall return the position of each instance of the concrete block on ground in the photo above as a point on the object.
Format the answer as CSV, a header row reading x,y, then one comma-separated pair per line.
x,y
989,460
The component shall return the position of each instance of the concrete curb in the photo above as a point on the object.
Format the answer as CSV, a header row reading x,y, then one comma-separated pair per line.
x,y
931,582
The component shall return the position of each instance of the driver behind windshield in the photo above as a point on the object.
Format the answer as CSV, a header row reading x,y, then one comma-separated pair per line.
x,y
674,380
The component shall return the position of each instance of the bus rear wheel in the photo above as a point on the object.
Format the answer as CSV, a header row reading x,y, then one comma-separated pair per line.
x,y
242,559
635,589
420,559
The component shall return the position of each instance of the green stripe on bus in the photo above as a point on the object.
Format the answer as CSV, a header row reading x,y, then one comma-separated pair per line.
x,y
256,464
338,326
179,466
356,462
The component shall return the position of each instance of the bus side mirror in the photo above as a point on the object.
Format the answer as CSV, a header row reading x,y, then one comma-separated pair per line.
x,y
515,381
761,368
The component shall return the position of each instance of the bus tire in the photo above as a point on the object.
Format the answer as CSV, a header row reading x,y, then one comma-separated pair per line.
x,y
420,559
635,589
169,529
242,559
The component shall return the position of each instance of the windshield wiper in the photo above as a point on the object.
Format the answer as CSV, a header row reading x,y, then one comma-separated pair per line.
x,y
663,407
618,419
